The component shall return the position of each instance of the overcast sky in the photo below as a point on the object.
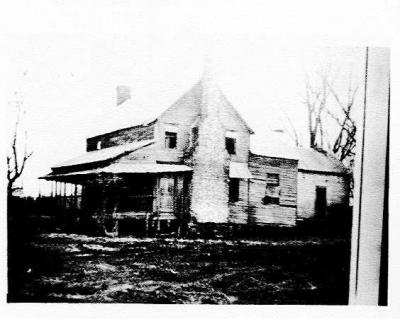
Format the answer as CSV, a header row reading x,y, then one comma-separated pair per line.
x,y
66,80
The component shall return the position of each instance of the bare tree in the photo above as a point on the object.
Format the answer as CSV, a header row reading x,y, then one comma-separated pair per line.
x,y
315,100
291,130
345,141
16,163
319,105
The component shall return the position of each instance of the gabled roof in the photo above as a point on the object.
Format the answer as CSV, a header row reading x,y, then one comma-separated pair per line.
x,y
128,114
123,116
272,148
228,105
308,158
316,161
104,154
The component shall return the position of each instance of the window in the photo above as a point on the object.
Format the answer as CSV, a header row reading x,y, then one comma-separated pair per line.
x,y
270,200
233,190
98,145
195,134
230,145
272,190
170,139
272,179
134,196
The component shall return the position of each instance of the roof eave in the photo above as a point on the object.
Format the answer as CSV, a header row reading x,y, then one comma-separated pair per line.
x,y
275,156
330,172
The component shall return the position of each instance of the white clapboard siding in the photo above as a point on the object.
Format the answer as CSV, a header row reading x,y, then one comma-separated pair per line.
x,y
337,191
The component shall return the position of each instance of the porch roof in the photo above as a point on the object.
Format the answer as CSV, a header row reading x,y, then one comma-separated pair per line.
x,y
239,170
104,154
122,168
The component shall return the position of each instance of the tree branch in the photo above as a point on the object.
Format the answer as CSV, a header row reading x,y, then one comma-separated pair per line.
x,y
14,168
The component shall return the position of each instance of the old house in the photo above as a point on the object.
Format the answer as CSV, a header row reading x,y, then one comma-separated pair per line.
x,y
193,163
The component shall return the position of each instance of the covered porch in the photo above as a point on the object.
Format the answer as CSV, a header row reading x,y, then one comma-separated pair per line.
x,y
125,198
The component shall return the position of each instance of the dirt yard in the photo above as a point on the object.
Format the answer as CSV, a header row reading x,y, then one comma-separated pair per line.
x,y
76,268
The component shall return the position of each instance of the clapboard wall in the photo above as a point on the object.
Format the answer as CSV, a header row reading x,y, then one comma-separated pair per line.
x,y
239,211
250,207
337,191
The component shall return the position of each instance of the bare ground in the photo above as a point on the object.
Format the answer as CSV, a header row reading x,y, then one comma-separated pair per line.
x,y
76,268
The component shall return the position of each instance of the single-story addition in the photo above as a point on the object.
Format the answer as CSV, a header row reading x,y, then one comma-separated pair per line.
x,y
193,163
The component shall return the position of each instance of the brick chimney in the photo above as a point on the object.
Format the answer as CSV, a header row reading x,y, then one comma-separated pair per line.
x,y
209,186
123,94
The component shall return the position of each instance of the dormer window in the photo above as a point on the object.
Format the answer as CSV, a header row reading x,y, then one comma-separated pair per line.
x,y
170,139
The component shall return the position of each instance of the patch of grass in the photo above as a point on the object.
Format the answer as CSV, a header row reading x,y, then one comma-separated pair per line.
x,y
73,268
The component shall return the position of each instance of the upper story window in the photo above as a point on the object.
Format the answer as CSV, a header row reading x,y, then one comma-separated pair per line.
x,y
170,139
230,145
195,134
230,142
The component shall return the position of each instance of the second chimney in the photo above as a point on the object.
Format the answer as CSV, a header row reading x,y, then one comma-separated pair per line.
x,y
123,94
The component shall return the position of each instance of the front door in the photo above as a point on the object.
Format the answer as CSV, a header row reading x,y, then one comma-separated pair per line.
x,y
320,201
166,199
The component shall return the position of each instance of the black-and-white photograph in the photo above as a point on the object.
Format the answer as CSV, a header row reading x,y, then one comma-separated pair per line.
x,y
179,168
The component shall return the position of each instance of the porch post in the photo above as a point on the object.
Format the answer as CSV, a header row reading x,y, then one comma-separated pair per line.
x,y
65,195
101,218
146,225
158,223
158,206
57,194
248,201
52,189
75,195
